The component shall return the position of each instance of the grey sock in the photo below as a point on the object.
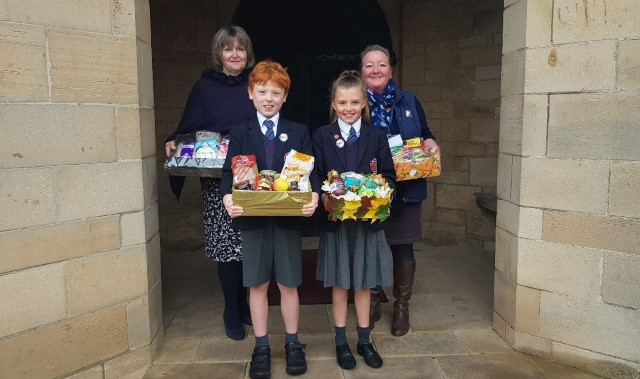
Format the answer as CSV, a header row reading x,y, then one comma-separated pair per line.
x,y
363,335
262,341
293,337
341,335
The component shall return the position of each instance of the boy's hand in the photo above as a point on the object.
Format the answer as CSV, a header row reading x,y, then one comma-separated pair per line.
x,y
233,210
309,209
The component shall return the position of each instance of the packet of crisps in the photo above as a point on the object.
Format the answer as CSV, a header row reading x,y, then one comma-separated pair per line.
x,y
297,168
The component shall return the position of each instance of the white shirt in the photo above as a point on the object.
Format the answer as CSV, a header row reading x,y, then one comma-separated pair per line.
x,y
261,120
345,128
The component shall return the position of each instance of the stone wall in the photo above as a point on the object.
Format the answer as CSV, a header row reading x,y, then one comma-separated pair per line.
x,y
79,268
451,57
568,231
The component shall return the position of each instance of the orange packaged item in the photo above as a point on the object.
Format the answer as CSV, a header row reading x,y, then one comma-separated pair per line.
x,y
413,160
244,169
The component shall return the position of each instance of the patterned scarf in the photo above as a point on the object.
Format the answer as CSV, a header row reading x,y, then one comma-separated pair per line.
x,y
379,104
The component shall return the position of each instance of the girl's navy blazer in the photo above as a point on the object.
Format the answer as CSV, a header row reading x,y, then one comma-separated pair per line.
x,y
247,139
372,144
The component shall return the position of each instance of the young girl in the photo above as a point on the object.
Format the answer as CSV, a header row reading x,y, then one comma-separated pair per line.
x,y
352,254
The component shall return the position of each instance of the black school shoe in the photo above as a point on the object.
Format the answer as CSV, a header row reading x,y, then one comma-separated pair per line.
x,y
345,359
371,356
260,363
296,362
233,332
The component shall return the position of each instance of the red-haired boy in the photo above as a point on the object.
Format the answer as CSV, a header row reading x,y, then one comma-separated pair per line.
x,y
270,243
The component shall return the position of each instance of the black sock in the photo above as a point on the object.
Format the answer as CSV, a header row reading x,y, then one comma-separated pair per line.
x,y
363,335
341,335
291,337
262,341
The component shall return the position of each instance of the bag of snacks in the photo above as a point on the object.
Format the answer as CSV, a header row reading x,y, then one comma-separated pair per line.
x,y
244,169
366,196
412,160
297,168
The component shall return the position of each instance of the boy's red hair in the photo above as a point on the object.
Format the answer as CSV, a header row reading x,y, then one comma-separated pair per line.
x,y
268,70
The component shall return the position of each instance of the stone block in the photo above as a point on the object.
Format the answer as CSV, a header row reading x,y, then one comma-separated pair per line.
x,y
488,72
564,184
481,225
535,111
438,109
503,176
487,89
91,190
520,221
93,68
484,130
593,231
512,76
143,21
138,323
150,181
473,41
514,31
123,17
28,195
629,64
487,21
135,128
504,298
78,343
449,216
499,325
92,373
32,298
73,133
139,227
563,269
595,326
126,365
69,14
453,130
106,279
483,171
600,364
621,279
413,70
539,23
153,261
503,239
23,63
625,189
474,109
594,126
579,21
527,310
456,197
30,247
458,83
480,56
532,345
571,67
145,74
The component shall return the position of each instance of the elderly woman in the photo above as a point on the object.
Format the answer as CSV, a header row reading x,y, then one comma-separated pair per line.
x,y
219,100
397,112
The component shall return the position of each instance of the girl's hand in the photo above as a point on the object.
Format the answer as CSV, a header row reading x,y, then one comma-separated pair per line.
x,y
233,210
432,146
310,208
325,200
170,148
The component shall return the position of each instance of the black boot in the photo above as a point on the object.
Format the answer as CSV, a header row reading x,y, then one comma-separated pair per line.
x,y
403,274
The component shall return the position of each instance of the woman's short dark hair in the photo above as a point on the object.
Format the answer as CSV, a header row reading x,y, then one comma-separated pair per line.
x,y
390,54
227,36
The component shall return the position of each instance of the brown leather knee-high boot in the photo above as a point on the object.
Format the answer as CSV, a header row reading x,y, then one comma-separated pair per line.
x,y
403,274
374,308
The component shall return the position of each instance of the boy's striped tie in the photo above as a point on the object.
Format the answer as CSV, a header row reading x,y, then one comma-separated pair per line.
x,y
269,134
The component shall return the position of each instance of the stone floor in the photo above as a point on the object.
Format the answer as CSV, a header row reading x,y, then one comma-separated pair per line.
x,y
451,334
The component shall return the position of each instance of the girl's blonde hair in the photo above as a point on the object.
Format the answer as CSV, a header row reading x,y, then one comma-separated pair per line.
x,y
349,79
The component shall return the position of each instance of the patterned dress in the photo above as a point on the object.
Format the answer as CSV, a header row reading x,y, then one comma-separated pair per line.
x,y
222,243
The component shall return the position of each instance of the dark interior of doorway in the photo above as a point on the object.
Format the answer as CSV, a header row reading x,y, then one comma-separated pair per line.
x,y
315,40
